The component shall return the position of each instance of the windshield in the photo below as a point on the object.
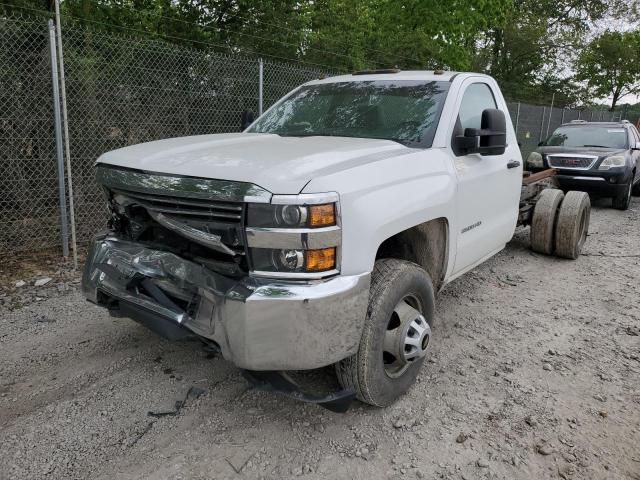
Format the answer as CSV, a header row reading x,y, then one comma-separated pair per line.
x,y
402,111
588,136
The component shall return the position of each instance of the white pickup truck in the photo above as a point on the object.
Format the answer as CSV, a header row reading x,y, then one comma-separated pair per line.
x,y
320,234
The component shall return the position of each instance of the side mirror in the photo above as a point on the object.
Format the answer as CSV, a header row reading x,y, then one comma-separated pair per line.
x,y
489,139
637,147
247,119
540,144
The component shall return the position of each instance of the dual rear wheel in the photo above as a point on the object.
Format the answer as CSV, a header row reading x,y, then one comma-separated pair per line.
x,y
560,223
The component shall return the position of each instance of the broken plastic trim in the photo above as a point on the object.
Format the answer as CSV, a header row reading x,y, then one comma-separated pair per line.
x,y
118,178
193,393
280,382
203,238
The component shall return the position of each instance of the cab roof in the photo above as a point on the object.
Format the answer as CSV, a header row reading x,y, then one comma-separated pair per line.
x,y
584,123
392,74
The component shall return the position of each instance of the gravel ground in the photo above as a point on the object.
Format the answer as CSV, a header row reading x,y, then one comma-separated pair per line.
x,y
534,373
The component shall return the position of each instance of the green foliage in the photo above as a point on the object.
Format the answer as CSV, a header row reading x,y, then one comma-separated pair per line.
x,y
529,46
410,33
610,65
530,52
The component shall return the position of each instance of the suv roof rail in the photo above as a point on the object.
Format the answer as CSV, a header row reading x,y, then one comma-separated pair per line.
x,y
377,71
578,121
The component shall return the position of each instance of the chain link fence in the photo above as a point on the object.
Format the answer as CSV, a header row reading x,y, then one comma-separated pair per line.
x,y
29,204
124,90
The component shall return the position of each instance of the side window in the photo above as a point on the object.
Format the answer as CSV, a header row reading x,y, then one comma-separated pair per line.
x,y
476,98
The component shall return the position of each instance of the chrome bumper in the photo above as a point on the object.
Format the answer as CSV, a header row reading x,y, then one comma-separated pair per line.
x,y
259,324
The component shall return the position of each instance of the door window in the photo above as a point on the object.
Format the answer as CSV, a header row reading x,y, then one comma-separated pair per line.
x,y
477,97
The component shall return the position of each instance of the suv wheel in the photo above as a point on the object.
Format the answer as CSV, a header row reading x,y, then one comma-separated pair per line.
x,y
396,334
623,200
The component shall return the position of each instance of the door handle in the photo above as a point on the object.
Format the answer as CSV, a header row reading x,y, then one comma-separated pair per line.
x,y
513,164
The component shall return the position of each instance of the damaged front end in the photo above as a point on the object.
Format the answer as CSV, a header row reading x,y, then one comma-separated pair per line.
x,y
177,258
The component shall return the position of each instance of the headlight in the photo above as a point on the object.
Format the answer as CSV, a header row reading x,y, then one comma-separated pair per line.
x,y
293,261
612,162
291,216
535,160
295,236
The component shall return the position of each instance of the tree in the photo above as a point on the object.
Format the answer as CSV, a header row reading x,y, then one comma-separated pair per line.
x,y
533,47
529,46
414,34
610,65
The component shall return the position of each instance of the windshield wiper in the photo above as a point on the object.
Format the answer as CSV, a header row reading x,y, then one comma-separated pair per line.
x,y
596,146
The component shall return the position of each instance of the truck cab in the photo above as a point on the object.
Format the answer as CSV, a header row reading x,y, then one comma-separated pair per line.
x,y
319,235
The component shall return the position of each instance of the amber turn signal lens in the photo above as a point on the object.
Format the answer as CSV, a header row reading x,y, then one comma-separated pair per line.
x,y
322,215
320,260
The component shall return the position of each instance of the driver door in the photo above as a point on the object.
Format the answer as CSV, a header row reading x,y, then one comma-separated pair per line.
x,y
488,185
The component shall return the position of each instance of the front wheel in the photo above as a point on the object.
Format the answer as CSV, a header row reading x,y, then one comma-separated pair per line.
x,y
623,199
396,334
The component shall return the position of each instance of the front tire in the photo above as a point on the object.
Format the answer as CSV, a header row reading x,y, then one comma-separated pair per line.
x,y
396,334
623,200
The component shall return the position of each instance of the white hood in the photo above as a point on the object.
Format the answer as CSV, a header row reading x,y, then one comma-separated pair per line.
x,y
282,165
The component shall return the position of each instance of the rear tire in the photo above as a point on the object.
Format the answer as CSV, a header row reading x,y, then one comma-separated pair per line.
x,y
376,378
543,221
572,225
623,200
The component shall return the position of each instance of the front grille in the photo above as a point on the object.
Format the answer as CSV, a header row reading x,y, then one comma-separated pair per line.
x,y
188,208
572,162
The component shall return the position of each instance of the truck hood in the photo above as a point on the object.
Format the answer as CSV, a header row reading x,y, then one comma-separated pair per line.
x,y
282,165
595,151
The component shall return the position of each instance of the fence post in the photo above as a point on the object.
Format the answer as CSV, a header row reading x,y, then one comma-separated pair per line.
x,y
517,118
553,97
64,222
562,118
65,122
260,85
544,110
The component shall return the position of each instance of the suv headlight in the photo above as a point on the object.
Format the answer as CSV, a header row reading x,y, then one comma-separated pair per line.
x,y
295,236
535,160
612,162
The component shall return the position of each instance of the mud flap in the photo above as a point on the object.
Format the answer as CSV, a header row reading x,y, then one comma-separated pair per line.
x,y
280,382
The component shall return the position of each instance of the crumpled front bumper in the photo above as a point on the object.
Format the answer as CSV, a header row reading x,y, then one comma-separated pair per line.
x,y
259,324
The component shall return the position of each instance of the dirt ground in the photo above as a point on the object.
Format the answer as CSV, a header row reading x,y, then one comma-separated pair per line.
x,y
534,373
